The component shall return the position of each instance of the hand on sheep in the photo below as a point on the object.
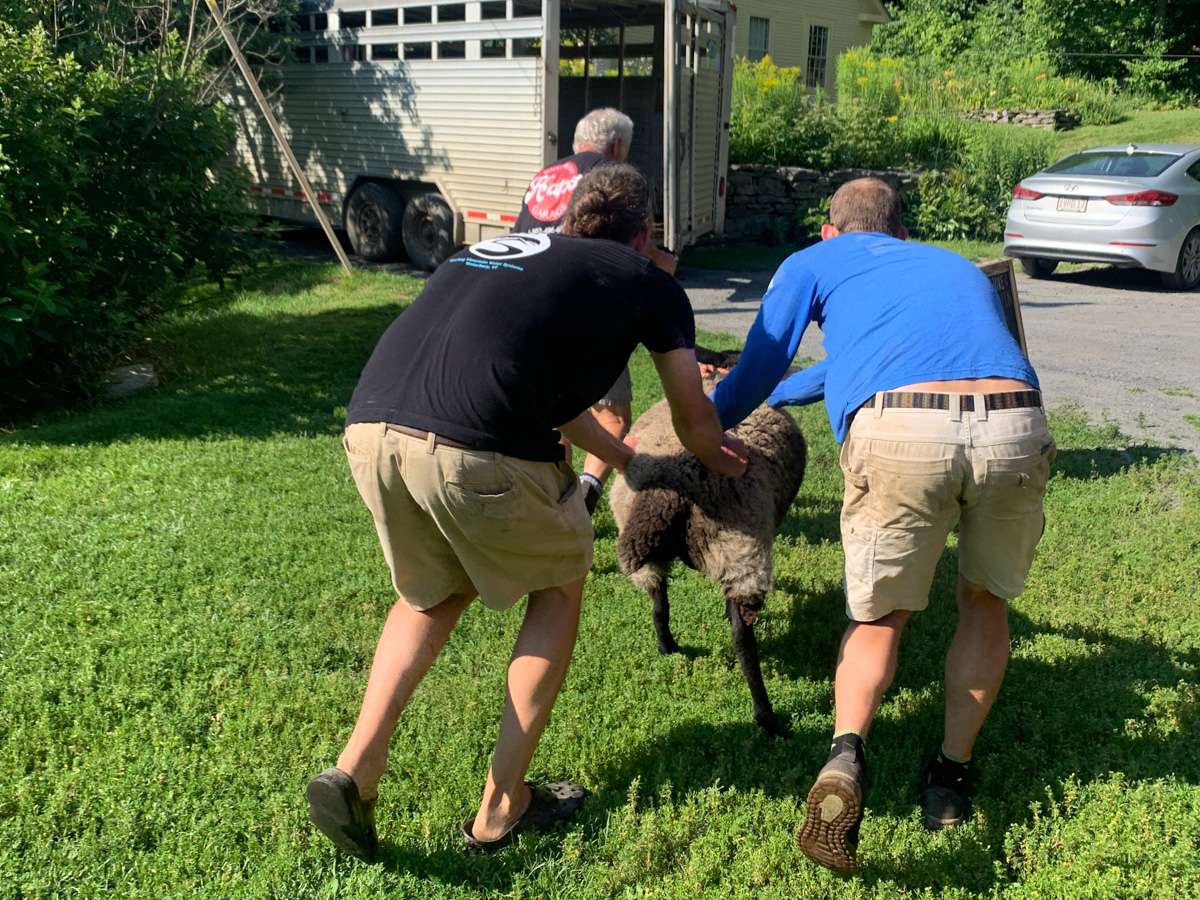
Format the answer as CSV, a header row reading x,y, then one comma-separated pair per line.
x,y
732,459
631,441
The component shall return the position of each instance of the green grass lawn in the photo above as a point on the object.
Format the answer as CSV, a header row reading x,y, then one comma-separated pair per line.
x,y
193,591
1174,126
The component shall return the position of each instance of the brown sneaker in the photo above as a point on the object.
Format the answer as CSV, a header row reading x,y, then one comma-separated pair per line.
x,y
833,813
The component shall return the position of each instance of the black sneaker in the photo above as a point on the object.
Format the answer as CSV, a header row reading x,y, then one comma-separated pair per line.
x,y
834,811
945,791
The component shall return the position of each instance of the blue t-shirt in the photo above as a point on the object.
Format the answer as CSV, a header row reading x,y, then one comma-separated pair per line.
x,y
893,313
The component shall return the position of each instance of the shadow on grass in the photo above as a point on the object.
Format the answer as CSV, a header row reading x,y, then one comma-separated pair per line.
x,y
1087,464
232,374
1077,702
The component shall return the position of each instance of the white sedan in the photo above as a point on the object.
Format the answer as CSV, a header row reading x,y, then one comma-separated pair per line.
x,y
1132,206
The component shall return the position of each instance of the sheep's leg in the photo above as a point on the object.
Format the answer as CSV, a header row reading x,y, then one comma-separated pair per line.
x,y
746,647
662,617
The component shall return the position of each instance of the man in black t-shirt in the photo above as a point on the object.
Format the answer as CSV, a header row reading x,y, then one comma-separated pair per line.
x,y
453,440
601,137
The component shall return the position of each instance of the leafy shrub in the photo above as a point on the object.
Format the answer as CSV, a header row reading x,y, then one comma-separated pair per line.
x,y
948,207
997,159
970,200
933,142
106,197
773,121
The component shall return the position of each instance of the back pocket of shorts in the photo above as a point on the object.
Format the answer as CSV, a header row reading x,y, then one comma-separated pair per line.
x,y
493,499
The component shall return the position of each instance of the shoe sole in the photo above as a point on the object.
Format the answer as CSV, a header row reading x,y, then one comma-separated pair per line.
x,y
330,813
833,808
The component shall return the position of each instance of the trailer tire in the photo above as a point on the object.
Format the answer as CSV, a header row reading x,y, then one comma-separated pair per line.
x,y
428,231
375,222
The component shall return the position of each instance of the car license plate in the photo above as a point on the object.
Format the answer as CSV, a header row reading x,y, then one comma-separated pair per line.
x,y
1072,204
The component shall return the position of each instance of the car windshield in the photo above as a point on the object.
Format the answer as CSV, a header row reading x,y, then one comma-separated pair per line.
x,y
1114,162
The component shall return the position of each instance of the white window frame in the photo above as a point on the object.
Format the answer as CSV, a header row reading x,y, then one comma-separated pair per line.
x,y
816,68
755,53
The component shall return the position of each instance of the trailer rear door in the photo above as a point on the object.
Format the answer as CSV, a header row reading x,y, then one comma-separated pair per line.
x,y
698,50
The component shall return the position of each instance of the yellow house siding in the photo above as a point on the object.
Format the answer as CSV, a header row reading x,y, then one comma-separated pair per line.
x,y
790,22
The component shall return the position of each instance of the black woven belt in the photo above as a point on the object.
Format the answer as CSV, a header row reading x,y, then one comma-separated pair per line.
x,y
966,402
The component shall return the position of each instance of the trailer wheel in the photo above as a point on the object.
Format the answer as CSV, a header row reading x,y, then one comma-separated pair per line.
x,y
428,230
374,221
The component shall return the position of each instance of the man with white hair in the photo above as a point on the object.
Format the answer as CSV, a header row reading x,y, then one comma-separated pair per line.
x,y
602,136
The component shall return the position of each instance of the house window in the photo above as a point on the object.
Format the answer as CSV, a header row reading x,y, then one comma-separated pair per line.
x,y
760,38
818,53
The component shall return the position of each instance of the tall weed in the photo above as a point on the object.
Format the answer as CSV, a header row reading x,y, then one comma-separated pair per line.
x,y
773,121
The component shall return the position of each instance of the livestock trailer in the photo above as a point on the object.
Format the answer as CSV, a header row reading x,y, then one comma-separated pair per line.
x,y
419,124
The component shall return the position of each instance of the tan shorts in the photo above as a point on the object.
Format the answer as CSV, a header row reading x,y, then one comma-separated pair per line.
x,y
912,475
620,392
445,515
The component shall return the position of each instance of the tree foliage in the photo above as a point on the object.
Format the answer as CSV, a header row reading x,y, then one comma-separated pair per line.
x,y
1131,41
112,187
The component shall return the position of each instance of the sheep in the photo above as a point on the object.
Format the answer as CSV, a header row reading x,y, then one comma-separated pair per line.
x,y
668,506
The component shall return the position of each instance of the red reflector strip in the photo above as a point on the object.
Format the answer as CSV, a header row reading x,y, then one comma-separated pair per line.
x,y
256,189
279,191
472,214
508,218
1012,234
324,197
299,194
1128,244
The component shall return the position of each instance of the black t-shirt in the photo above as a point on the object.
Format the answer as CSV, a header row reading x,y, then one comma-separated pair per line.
x,y
548,194
518,335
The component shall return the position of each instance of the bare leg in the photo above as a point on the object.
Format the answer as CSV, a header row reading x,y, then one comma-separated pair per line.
x,y
614,418
535,674
865,669
410,642
975,665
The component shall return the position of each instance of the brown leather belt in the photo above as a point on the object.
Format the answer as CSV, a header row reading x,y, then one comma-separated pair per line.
x,y
966,402
424,436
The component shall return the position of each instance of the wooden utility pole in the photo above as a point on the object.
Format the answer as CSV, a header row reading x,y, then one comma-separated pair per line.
x,y
275,130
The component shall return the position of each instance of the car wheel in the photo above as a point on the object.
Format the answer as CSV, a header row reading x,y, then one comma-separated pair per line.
x,y
1036,267
428,230
1186,276
374,221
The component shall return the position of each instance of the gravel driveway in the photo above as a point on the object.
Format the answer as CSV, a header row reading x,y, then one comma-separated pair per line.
x,y
1112,341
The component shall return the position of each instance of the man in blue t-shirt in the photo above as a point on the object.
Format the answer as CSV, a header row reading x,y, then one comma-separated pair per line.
x,y
941,424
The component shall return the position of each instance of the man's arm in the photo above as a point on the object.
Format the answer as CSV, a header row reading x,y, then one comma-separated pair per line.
x,y
774,337
693,415
806,386
586,432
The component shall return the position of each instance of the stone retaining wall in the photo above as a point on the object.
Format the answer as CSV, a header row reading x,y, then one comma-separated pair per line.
x,y
1047,119
763,200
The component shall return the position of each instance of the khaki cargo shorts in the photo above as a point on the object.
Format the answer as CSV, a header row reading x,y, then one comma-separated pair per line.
x,y
446,514
912,475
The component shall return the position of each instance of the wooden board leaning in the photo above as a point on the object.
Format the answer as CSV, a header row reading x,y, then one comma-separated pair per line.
x,y
1003,278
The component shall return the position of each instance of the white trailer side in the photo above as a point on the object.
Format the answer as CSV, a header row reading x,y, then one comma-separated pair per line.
x,y
423,123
